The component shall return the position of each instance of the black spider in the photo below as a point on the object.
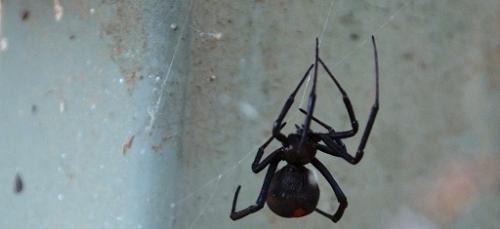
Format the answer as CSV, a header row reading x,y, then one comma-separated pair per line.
x,y
292,191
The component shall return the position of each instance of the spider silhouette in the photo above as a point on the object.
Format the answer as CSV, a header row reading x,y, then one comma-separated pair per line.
x,y
292,191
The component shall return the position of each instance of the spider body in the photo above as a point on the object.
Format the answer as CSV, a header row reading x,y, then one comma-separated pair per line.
x,y
298,154
292,191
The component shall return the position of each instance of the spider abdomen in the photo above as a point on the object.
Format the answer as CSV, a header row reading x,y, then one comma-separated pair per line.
x,y
293,192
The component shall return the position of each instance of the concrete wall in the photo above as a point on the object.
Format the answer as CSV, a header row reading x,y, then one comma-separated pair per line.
x,y
147,114
87,120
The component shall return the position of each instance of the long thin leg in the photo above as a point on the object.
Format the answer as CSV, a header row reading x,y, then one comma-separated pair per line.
x,y
261,200
329,150
338,192
276,128
312,98
334,148
331,132
326,126
348,105
257,164
371,117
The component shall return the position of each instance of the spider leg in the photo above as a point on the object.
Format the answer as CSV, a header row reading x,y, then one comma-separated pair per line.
x,y
334,151
371,117
347,102
277,124
327,137
261,200
312,98
257,164
348,105
330,140
338,192
334,146
323,124
331,132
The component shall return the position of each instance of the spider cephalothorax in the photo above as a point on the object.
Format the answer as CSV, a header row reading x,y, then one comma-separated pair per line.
x,y
292,191
298,153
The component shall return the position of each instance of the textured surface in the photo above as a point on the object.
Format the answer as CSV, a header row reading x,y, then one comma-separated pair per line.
x,y
79,117
432,160
147,114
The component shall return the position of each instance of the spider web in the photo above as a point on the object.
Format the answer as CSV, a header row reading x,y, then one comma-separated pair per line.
x,y
206,192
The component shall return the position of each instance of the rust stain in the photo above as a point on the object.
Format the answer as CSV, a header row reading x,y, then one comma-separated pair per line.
x,y
131,80
156,147
128,144
128,37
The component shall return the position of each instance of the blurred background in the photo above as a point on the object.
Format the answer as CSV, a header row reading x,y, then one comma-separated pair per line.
x,y
148,113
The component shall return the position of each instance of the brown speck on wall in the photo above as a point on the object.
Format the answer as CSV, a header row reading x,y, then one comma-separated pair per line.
x,y
156,147
354,36
409,56
25,15
18,184
128,144
34,109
